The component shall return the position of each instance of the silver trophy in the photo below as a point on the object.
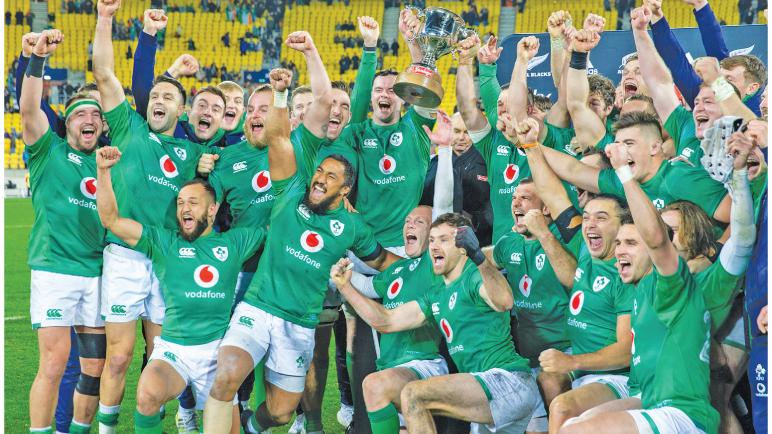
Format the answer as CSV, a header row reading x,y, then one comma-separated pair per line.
x,y
440,32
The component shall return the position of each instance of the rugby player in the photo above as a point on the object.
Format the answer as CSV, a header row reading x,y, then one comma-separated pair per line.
x,y
471,307
64,244
309,231
155,165
197,269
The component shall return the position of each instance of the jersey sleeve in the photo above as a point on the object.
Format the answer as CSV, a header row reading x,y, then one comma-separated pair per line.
x,y
604,141
671,293
286,187
677,124
365,245
623,297
425,303
685,182
576,245
42,145
489,91
216,183
719,288
306,148
248,241
154,241
472,286
363,85
416,123
121,121
499,250
485,145
557,138
608,183
379,284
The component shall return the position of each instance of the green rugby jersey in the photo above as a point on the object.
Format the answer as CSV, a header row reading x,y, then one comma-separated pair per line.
x,y
198,279
152,169
478,337
671,346
608,182
67,236
597,298
541,301
302,246
719,289
391,163
407,280
680,127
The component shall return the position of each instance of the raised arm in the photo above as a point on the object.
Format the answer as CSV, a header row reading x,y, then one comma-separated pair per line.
x,y
143,71
731,104
563,262
409,25
490,89
128,230
710,29
442,202
281,154
363,84
558,114
556,23
588,126
110,88
494,289
405,317
655,74
33,120
737,251
647,220
27,44
318,115
465,89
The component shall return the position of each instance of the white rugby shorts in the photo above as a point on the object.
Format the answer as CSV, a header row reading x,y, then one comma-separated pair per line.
x,y
130,288
63,300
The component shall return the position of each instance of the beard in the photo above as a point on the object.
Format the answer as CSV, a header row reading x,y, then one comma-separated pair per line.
x,y
319,208
201,225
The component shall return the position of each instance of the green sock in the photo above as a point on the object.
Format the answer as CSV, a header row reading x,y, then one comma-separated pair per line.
x,y
109,419
385,420
258,391
313,420
79,427
46,430
147,424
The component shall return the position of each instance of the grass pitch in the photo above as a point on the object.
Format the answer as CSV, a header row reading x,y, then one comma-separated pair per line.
x,y
21,351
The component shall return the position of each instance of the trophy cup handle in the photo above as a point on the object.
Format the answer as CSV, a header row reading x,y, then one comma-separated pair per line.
x,y
463,33
421,17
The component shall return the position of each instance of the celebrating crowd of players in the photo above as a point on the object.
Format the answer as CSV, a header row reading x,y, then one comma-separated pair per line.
x,y
624,220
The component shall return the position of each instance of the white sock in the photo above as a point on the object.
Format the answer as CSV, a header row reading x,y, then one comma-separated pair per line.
x,y
186,411
108,409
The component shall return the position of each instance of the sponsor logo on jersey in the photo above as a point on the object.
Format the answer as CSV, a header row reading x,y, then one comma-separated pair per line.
x,y
187,252
336,226
54,313
168,167
387,165
88,187
510,173
182,153
154,138
311,241
394,288
118,309
632,334
162,181
502,150
396,138
687,152
239,166
516,258
302,257
370,143
537,60
578,274
74,158
525,285
576,303
414,264
397,270
452,300
540,259
658,203
447,330
169,355
435,308
206,276
304,211
600,283
246,321
261,182
221,253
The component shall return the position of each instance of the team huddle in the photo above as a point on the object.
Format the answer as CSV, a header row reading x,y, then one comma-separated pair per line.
x,y
624,221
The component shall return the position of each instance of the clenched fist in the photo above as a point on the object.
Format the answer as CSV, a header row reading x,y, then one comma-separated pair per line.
x,y
28,42
107,157
108,8
527,131
155,20
594,23
47,42
527,48
585,40
300,41
467,49
708,69
280,79
185,66
558,21
640,18
369,29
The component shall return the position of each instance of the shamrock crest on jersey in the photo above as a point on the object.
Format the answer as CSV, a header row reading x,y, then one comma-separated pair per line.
x,y
396,138
540,259
206,276
221,253
336,227
88,187
168,167
394,288
576,303
261,182
311,241
600,283
452,300
182,153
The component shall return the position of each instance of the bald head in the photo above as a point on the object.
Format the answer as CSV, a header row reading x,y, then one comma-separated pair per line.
x,y
415,232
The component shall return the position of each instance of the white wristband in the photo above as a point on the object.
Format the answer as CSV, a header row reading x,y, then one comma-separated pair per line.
x,y
280,99
557,43
624,174
722,89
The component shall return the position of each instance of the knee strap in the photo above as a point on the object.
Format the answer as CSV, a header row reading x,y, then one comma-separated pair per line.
x,y
92,345
88,385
